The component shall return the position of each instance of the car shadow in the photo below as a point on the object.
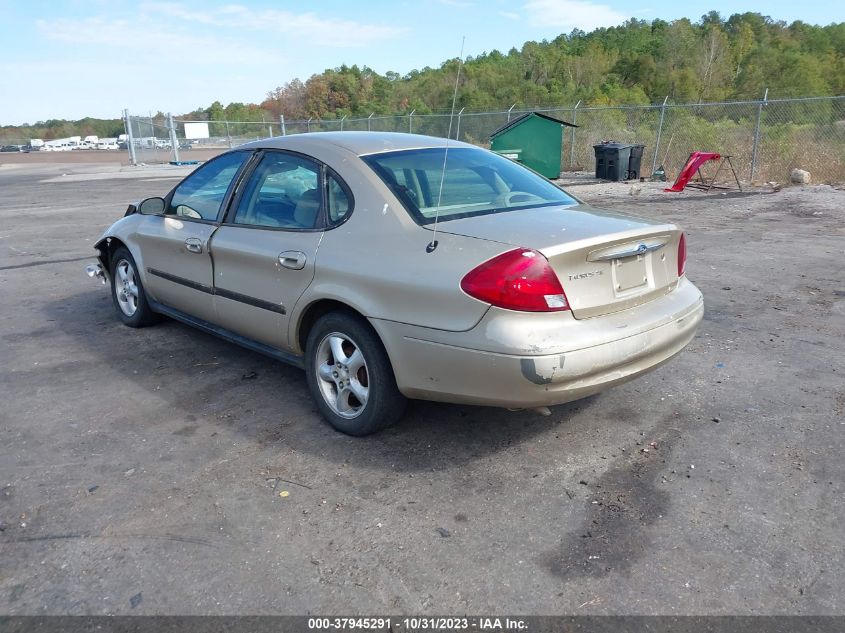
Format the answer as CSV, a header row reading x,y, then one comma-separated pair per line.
x,y
202,380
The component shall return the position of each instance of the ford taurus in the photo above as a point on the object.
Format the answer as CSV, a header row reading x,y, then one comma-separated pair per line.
x,y
395,266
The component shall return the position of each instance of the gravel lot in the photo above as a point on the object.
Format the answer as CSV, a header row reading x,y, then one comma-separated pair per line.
x,y
141,470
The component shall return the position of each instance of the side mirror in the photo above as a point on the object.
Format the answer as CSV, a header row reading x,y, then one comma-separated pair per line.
x,y
152,206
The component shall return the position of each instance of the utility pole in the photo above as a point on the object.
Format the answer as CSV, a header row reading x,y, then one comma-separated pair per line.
x,y
757,134
572,135
130,140
458,131
174,142
659,134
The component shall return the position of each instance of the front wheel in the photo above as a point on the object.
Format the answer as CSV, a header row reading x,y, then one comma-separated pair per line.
x,y
127,291
350,376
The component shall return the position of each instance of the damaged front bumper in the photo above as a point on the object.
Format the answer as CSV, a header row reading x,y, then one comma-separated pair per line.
x,y
97,271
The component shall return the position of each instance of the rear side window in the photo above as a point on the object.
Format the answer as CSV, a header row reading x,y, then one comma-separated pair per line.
x,y
339,203
202,193
474,182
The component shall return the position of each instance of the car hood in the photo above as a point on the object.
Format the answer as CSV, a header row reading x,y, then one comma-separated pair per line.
x,y
544,228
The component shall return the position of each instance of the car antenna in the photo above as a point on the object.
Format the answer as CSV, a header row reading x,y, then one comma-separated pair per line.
x,y
433,244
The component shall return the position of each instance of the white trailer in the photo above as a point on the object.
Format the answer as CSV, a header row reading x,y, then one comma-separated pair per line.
x,y
89,142
62,144
106,143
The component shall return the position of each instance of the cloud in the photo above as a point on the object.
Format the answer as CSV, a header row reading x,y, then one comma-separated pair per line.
x,y
144,38
305,26
68,67
510,15
572,14
460,4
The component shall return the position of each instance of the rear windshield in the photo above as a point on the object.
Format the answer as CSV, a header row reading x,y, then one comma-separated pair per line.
x,y
475,182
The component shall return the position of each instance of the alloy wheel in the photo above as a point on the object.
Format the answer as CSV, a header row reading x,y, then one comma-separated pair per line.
x,y
126,287
342,375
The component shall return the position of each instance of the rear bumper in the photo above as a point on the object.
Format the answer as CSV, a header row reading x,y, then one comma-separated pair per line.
x,y
447,371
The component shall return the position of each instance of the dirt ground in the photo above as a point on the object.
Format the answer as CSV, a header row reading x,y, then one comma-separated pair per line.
x,y
141,470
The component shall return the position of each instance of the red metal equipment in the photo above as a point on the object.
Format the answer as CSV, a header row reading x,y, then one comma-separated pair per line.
x,y
694,162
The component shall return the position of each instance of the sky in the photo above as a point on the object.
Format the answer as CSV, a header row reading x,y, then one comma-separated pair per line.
x,y
67,59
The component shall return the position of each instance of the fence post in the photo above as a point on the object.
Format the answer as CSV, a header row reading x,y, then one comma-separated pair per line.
x,y
410,119
174,142
228,136
659,132
368,120
130,139
308,124
572,136
341,122
511,108
282,123
757,133
458,131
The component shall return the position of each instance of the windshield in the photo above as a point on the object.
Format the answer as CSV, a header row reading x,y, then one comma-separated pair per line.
x,y
476,182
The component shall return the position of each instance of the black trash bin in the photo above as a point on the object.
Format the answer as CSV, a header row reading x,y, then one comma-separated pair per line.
x,y
634,162
618,161
612,160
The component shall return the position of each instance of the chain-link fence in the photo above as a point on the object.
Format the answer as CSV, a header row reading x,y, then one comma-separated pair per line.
x,y
766,139
163,139
148,140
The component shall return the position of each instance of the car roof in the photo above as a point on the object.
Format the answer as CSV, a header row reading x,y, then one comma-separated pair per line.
x,y
359,143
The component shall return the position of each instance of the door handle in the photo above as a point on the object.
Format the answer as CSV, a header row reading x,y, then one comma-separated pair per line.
x,y
295,260
194,245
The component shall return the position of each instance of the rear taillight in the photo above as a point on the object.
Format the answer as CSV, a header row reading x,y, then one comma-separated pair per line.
x,y
682,255
521,279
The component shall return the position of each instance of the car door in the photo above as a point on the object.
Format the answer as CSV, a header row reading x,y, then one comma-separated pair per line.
x,y
175,245
264,252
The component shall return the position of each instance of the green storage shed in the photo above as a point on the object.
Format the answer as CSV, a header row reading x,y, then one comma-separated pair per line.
x,y
533,139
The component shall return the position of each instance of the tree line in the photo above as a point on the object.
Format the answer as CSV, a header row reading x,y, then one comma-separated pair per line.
x,y
636,63
62,128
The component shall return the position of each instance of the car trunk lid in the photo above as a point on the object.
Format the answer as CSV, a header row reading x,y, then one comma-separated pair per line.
x,y
606,261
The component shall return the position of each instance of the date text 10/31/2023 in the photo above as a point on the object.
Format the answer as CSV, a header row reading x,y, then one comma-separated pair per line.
x,y
421,623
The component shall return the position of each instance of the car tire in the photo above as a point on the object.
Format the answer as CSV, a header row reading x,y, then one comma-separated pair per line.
x,y
350,376
127,291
